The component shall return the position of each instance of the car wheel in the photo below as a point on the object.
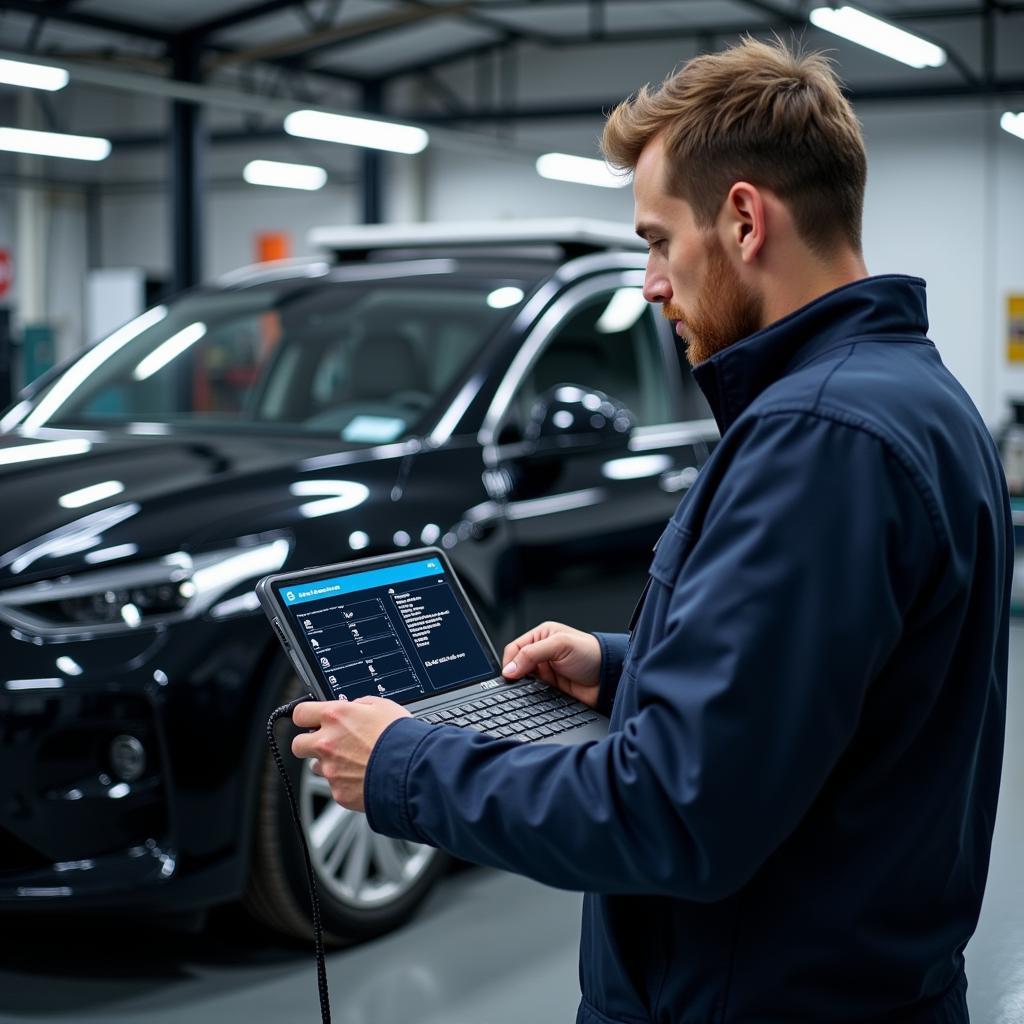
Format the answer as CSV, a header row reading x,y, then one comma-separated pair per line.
x,y
368,884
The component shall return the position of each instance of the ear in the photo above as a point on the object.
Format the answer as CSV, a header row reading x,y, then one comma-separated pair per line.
x,y
743,220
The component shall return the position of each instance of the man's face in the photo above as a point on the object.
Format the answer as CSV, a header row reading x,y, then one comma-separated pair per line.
x,y
688,270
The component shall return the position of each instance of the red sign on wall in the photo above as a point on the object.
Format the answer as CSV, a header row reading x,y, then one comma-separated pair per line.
x,y
6,272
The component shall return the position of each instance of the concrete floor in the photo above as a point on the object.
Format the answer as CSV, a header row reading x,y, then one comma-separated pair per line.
x,y
487,948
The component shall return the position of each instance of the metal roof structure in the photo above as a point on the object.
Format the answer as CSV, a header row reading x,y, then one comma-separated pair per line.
x,y
372,43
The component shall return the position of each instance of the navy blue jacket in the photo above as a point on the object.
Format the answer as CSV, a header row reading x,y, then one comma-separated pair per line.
x,y
791,818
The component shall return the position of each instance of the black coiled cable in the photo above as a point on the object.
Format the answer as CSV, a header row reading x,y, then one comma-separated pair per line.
x,y
318,933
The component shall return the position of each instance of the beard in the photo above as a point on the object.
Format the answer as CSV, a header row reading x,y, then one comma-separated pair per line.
x,y
726,311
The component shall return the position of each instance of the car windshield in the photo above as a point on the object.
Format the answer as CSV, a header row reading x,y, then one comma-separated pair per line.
x,y
367,361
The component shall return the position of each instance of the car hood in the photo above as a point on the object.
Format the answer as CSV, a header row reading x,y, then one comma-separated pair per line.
x,y
68,497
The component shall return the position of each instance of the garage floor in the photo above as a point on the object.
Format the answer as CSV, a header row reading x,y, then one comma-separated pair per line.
x,y
488,948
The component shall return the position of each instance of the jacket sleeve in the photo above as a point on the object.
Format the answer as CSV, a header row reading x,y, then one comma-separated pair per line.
x,y
613,654
785,609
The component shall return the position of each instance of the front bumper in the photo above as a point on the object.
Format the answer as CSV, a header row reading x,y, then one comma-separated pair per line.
x,y
73,832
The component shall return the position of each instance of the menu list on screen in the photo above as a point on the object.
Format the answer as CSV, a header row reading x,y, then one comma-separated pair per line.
x,y
397,632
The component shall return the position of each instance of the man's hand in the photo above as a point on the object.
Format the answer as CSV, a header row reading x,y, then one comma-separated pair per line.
x,y
566,658
345,734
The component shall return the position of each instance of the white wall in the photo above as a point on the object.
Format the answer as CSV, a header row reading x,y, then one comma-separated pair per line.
x,y
927,213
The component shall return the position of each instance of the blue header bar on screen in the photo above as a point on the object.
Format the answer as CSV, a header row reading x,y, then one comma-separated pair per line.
x,y
338,585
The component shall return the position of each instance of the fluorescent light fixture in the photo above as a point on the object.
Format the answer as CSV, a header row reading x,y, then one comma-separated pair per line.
x,y
32,76
89,495
502,298
169,350
875,34
581,170
72,147
72,378
356,131
1013,123
281,175
625,307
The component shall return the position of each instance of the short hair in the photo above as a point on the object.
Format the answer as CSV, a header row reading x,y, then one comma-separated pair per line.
x,y
755,112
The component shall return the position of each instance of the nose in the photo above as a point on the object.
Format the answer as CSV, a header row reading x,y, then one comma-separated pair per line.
x,y
656,285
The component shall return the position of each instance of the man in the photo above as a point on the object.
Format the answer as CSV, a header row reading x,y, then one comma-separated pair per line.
x,y
791,817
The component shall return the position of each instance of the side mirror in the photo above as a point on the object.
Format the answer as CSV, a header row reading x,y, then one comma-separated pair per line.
x,y
570,416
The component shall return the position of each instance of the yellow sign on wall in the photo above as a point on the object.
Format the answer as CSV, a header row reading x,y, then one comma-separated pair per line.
x,y
1015,328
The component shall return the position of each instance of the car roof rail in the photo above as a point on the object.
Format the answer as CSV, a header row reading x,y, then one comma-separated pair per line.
x,y
574,236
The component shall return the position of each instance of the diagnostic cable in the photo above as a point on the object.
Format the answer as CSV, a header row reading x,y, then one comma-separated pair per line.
x,y
285,711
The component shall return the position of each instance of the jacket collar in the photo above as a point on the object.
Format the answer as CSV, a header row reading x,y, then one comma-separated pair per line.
x,y
885,305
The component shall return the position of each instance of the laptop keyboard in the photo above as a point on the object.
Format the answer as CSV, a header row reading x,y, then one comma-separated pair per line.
x,y
532,711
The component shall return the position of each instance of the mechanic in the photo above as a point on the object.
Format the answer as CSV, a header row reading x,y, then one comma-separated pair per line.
x,y
791,817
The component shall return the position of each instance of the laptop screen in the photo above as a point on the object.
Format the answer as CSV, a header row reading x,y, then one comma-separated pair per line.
x,y
397,630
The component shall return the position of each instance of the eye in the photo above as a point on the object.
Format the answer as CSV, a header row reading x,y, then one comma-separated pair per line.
x,y
656,245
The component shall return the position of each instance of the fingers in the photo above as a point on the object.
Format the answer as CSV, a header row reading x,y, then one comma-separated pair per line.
x,y
309,714
529,656
509,655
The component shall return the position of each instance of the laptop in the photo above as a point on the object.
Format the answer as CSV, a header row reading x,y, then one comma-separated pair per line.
x,y
401,627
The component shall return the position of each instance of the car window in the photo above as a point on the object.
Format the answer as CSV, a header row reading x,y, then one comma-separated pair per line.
x,y
609,343
364,361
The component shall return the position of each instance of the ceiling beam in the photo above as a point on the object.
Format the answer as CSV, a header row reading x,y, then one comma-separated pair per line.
x,y
86,20
327,38
204,29
589,109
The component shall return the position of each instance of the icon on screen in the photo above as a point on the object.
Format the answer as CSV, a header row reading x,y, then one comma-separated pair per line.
x,y
307,624
314,643
290,595
431,565
325,663
332,679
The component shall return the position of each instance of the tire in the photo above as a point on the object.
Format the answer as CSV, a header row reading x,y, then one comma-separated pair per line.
x,y
368,884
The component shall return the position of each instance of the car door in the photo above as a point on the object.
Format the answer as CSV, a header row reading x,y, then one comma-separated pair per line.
x,y
584,517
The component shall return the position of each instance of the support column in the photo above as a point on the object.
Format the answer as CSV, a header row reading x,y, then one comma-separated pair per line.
x,y
32,226
188,141
372,160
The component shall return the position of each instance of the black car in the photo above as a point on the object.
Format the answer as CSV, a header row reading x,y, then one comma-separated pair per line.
x,y
520,405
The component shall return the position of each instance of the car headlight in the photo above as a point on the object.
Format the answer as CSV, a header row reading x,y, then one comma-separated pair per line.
x,y
179,586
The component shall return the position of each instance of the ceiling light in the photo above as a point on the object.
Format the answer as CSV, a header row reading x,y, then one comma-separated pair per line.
x,y
1013,123
878,35
579,169
73,147
356,131
280,175
32,76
